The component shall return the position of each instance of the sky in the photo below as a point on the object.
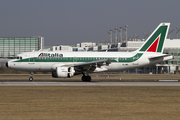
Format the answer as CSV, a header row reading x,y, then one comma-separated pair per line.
x,y
68,22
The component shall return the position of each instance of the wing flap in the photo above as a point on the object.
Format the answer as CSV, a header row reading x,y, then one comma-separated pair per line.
x,y
97,62
90,66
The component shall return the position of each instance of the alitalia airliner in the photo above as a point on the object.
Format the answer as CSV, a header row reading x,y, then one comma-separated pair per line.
x,y
67,64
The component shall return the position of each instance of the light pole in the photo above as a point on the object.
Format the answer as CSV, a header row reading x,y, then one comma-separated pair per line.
x,y
170,31
120,33
126,31
177,31
115,31
145,36
110,35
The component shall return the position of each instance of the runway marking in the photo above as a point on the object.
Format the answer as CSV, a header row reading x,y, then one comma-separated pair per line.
x,y
168,80
89,83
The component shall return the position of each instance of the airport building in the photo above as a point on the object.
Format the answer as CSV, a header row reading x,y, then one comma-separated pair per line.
x,y
84,46
11,46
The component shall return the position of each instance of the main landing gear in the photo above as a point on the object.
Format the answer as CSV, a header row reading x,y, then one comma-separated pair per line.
x,y
31,77
86,78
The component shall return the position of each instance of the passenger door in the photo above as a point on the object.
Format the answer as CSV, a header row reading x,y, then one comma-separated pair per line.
x,y
31,59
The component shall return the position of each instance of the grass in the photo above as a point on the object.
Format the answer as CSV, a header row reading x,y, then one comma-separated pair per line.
x,y
90,103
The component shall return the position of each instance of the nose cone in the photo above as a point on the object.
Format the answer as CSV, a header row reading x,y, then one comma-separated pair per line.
x,y
7,64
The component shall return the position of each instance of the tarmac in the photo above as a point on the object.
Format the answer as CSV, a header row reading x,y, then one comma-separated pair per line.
x,y
89,83
97,80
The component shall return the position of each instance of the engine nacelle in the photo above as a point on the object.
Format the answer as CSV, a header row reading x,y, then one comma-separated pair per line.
x,y
63,72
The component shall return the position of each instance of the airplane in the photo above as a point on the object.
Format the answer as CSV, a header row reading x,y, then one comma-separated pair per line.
x,y
67,64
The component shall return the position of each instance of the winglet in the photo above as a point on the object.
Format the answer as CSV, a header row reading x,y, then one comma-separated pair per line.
x,y
155,42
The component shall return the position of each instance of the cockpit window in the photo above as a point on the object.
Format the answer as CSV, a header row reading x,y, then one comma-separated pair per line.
x,y
19,57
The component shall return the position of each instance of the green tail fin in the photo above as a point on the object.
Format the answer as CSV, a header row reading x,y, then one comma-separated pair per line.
x,y
155,42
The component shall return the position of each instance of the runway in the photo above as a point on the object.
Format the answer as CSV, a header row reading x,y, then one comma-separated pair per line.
x,y
89,83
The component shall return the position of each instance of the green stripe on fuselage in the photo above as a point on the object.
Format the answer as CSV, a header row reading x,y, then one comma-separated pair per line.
x,y
130,59
80,59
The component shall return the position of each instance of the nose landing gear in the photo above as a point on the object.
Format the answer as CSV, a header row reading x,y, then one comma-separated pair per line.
x,y
31,77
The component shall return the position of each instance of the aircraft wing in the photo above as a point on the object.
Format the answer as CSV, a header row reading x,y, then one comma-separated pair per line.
x,y
90,66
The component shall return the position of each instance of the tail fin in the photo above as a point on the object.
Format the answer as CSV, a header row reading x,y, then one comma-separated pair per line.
x,y
155,42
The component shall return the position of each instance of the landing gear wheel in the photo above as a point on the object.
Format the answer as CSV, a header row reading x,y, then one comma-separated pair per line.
x,y
86,78
31,78
83,78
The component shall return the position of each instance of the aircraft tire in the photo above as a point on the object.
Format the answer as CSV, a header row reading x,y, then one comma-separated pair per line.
x,y
83,78
30,78
86,78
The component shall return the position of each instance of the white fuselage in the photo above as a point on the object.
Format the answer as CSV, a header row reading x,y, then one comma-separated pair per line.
x,y
33,61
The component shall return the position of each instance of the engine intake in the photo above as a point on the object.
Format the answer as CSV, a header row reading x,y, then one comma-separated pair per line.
x,y
63,72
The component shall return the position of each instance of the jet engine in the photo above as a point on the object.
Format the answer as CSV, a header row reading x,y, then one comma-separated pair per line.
x,y
63,72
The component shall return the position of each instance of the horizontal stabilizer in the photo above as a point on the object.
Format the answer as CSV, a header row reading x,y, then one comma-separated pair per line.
x,y
165,57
